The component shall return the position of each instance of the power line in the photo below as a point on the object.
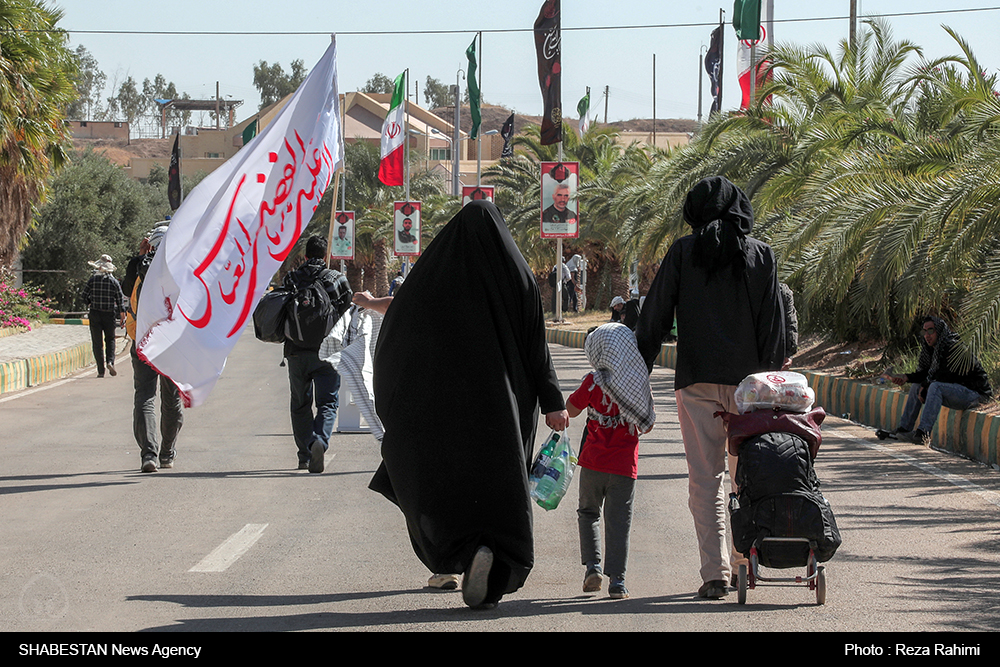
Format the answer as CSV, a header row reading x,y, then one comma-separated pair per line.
x,y
272,33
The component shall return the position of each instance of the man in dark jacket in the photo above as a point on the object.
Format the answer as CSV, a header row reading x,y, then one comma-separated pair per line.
x,y
309,377
722,285
941,378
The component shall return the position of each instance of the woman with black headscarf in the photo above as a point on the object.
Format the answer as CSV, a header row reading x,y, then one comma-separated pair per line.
x,y
722,285
461,369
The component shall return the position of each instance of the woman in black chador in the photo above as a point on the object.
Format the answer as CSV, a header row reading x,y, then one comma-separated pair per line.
x,y
461,370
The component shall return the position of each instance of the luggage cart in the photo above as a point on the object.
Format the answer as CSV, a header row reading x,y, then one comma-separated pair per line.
x,y
783,552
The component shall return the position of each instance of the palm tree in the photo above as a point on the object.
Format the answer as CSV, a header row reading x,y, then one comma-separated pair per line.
x,y
37,74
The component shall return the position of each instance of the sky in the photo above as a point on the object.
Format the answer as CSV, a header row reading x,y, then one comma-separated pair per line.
x,y
604,44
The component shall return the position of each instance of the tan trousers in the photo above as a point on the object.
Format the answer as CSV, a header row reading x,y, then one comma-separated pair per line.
x,y
705,449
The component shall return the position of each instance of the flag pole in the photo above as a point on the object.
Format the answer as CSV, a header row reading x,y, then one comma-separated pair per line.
x,y
336,190
479,134
406,133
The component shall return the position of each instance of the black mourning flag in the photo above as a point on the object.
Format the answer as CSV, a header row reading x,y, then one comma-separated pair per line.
x,y
507,132
174,176
713,65
548,52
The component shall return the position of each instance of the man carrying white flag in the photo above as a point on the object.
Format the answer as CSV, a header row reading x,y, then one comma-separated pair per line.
x,y
232,233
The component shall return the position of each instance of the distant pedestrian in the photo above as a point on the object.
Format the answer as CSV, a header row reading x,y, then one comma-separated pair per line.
x,y
619,405
145,378
103,295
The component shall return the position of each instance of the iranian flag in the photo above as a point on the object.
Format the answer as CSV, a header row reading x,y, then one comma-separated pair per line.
x,y
390,170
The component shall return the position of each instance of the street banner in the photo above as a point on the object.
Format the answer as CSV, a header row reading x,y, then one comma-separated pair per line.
x,y
548,53
507,132
713,65
342,246
174,195
232,234
390,170
406,228
474,97
560,206
471,193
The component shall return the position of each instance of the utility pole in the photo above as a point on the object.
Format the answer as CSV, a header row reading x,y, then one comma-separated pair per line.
x,y
854,21
605,105
654,100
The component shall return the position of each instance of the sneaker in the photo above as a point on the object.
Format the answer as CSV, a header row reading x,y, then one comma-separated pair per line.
x,y
617,590
168,463
476,578
149,465
446,582
111,369
592,580
316,455
713,590
303,465
919,437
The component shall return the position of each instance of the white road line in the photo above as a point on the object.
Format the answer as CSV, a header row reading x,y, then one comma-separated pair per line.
x,y
229,551
32,390
962,483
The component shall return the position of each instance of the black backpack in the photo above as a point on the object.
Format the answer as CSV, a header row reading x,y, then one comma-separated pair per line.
x,y
780,497
309,315
270,315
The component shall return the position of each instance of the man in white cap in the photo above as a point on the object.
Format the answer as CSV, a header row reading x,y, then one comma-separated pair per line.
x,y
103,296
145,378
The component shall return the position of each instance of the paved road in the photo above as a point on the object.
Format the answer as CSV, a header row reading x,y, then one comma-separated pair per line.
x,y
87,543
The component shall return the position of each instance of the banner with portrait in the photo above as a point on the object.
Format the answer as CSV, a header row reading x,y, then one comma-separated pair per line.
x,y
406,228
471,193
342,243
560,205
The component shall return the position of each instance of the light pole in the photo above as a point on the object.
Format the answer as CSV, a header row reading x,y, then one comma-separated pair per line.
x,y
479,155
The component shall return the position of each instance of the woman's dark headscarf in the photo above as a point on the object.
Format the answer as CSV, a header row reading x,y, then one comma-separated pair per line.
x,y
722,217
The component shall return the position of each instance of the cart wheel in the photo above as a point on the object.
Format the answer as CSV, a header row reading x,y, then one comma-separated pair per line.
x,y
742,584
821,585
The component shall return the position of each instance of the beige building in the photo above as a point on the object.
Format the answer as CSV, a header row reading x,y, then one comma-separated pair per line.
x,y
98,129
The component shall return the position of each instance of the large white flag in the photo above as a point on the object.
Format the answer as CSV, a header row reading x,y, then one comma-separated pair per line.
x,y
232,233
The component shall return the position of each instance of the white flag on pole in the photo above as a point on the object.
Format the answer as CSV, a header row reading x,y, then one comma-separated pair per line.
x,y
232,233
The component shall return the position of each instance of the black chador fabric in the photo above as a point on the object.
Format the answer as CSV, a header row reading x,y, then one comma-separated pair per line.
x,y
461,368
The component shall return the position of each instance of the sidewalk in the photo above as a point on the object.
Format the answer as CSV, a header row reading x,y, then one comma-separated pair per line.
x,y
47,352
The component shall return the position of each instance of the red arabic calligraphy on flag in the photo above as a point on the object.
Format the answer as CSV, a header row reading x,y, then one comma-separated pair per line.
x,y
231,235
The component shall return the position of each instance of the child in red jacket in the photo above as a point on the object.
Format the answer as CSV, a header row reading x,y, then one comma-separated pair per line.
x,y
619,407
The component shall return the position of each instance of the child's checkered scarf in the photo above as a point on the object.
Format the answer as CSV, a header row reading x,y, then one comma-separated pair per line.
x,y
621,373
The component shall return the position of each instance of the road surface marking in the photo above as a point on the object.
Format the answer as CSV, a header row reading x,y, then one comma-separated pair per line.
x,y
229,551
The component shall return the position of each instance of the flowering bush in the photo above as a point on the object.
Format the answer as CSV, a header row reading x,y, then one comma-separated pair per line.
x,y
18,306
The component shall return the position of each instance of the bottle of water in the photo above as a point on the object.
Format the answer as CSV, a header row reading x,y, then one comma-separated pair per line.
x,y
565,478
550,483
542,460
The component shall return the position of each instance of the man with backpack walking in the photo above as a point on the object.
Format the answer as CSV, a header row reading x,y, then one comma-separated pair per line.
x,y
319,297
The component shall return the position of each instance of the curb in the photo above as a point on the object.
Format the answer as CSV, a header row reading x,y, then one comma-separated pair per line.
x,y
967,433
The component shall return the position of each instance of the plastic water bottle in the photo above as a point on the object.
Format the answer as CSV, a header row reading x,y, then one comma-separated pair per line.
x,y
543,458
565,478
549,484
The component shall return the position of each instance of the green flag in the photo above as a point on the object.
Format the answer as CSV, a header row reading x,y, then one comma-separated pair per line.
x,y
473,90
746,19
250,132
583,108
